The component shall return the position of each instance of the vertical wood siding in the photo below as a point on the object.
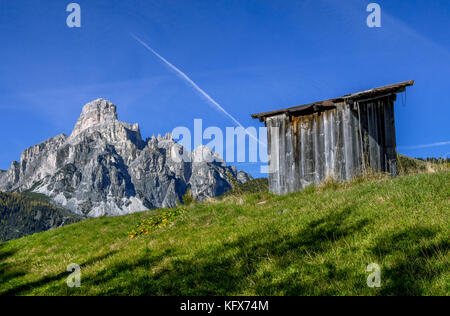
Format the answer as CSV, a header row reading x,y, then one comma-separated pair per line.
x,y
339,143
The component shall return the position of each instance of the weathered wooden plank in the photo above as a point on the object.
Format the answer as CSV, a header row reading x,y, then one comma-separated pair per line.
x,y
308,174
372,141
327,141
332,125
365,134
317,150
381,137
282,154
393,154
340,151
390,138
272,139
268,124
303,145
373,136
298,153
378,136
360,132
348,143
290,174
320,152
355,135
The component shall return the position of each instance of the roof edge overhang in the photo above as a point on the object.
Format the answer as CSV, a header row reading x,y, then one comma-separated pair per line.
x,y
328,104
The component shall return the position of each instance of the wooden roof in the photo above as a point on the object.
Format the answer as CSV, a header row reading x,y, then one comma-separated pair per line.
x,y
322,105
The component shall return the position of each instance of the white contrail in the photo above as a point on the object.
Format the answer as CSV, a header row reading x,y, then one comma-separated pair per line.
x,y
193,84
426,145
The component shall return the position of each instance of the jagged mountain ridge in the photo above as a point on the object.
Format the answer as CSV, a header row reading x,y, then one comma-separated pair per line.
x,y
105,168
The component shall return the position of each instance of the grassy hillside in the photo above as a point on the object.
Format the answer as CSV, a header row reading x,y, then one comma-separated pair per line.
x,y
260,185
407,165
29,213
317,242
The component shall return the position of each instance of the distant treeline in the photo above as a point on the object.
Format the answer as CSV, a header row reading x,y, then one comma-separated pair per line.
x,y
435,160
22,215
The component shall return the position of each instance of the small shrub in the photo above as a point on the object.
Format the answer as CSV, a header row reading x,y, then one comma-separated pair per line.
x,y
368,175
187,198
310,189
160,220
329,184
407,165
260,185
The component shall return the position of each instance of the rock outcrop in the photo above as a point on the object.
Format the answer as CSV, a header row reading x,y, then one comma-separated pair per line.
x,y
105,168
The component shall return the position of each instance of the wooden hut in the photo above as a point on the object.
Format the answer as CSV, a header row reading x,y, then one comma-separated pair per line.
x,y
332,139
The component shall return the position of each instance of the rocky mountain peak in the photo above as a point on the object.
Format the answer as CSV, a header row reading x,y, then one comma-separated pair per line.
x,y
96,112
105,167
204,154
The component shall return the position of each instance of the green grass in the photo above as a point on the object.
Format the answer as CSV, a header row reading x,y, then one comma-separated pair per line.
x,y
316,242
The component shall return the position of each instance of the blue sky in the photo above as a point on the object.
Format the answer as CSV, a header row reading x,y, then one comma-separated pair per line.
x,y
249,55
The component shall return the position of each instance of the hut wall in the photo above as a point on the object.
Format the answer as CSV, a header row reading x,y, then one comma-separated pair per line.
x,y
335,144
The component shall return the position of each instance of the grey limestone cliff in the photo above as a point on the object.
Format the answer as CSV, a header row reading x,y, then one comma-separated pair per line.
x,y
105,168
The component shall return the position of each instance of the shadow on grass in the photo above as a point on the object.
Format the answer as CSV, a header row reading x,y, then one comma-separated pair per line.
x,y
415,261
270,262
133,286
8,271
24,288
227,269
